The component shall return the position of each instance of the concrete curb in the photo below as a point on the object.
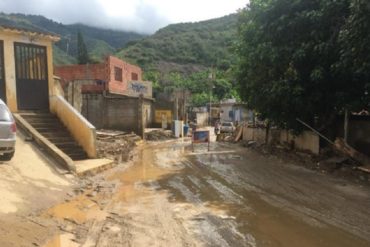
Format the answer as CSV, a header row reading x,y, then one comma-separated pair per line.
x,y
49,147
91,167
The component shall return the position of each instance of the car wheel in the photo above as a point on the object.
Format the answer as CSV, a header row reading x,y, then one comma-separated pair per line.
x,y
7,156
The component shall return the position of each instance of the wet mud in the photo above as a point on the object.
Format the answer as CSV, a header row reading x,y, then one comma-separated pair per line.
x,y
229,196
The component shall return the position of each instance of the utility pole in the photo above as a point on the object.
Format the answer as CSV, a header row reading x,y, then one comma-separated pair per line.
x,y
346,125
211,78
176,108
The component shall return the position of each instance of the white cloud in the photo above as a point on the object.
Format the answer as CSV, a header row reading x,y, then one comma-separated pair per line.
x,y
133,15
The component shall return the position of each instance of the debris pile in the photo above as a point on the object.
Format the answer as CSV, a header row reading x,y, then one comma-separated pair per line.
x,y
159,135
231,136
116,145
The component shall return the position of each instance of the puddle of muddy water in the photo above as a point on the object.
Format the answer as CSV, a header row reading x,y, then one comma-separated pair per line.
x,y
208,202
270,225
77,211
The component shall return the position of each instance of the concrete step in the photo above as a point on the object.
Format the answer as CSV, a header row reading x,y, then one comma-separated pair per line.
x,y
58,131
77,156
59,139
47,125
65,145
39,118
72,149
42,120
60,134
53,129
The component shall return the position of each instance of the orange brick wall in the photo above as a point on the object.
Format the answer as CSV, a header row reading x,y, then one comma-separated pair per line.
x,y
82,72
120,87
104,71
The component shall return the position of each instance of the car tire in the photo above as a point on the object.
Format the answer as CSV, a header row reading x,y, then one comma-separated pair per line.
x,y
7,156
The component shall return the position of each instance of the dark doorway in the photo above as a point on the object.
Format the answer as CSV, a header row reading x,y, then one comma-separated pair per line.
x,y
31,77
2,73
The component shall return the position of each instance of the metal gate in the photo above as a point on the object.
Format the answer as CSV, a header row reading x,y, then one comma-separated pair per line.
x,y
2,73
31,77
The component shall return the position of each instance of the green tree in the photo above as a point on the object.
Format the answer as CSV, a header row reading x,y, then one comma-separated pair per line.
x,y
82,55
354,64
288,59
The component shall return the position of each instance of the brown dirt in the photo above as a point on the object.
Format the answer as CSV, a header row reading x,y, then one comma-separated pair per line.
x,y
229,196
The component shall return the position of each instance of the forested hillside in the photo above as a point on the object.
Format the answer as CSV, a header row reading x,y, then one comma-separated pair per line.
x,y
197,57
179,56
206,44
100,42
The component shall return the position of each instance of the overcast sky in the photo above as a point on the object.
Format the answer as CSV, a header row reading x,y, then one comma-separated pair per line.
x,y
143,16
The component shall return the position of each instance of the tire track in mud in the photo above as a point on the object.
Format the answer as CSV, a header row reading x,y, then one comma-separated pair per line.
x,y
207,199
213,227
282,193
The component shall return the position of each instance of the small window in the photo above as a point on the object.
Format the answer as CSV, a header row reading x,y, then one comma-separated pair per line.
x,y
134,76
117,74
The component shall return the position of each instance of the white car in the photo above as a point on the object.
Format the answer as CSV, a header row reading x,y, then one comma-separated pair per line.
x,y
7,133
227,127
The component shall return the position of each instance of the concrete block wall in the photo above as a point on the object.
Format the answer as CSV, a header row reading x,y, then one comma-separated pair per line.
x,y
306,141
358,133
120,113
254,134
93,109
75,89
137,88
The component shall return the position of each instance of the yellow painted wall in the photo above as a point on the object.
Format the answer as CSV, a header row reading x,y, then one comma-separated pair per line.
x,y
10,37
82,131
159,113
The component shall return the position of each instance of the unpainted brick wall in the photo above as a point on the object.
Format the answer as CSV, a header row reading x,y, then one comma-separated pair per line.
x,y
82,72
104,72
120,87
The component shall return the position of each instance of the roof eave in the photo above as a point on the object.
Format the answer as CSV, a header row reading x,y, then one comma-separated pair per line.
x,y
52,37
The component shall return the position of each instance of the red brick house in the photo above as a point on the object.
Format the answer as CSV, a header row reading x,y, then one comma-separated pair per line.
x,y
111,94
114,75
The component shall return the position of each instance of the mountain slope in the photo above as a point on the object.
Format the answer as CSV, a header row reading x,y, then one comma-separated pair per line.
x,y
206,43
99,42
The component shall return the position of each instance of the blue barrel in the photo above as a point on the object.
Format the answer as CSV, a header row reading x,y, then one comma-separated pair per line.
x,y
186,130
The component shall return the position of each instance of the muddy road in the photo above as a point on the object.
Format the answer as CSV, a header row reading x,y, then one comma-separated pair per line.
x,y
229,196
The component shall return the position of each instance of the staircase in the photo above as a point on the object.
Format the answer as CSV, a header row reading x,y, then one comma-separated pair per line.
x,y
53,129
